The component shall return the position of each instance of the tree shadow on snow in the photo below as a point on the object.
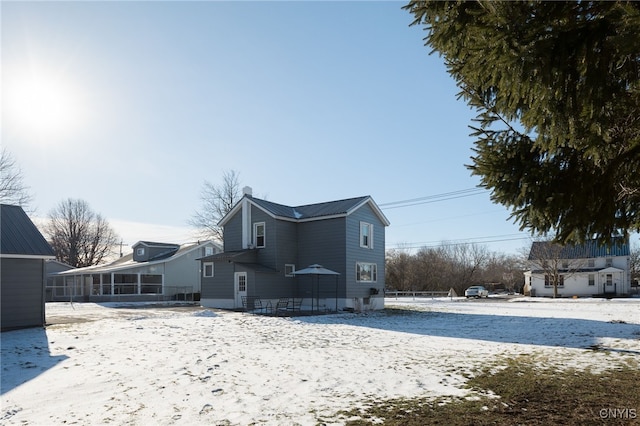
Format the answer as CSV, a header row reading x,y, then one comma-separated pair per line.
x,y
25,355
558,332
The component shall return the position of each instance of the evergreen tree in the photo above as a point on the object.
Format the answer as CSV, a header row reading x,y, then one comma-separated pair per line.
x,y
557,89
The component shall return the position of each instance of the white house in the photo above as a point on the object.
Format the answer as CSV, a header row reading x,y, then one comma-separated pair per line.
x,y
589,269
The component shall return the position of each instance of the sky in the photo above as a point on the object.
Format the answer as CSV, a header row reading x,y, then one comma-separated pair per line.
x,y
131,106
220,367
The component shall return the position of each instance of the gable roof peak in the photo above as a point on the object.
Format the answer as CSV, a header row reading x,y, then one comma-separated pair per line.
x,y
20,236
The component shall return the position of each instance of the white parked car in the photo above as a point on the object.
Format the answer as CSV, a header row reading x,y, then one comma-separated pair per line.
x,y
476,291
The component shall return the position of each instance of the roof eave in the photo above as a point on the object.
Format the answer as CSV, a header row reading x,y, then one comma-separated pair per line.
x,y
26,256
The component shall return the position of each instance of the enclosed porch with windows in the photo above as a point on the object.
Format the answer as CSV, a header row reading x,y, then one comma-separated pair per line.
x,y
112,286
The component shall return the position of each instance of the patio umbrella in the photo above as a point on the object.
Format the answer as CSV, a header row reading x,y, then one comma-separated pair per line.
x,y
317,270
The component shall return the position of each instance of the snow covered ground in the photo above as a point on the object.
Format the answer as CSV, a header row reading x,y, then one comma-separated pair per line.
x,y
143,364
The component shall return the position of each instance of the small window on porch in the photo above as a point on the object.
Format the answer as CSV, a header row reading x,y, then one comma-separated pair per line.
x,y
207,269
289,269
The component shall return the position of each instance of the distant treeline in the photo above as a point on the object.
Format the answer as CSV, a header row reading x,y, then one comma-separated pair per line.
x,y
453,266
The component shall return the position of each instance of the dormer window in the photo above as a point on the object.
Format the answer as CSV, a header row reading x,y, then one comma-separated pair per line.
x,y
259,234
140,251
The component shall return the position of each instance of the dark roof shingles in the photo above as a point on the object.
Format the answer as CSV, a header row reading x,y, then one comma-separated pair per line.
x,y
18,234
329,208
590,249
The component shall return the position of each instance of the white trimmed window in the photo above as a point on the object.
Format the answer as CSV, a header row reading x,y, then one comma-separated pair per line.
x,y
289,269
592,279
548,281
207,269
208,251
258,234
366,272
366,235
140,251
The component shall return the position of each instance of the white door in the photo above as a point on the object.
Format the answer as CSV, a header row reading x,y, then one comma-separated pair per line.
x,y
240,284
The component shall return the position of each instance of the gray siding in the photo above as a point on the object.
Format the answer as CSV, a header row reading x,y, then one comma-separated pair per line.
x,y
151,252
233,233
220,286
287,245
272,285
22,293
266,256
355,253
322,242
184,271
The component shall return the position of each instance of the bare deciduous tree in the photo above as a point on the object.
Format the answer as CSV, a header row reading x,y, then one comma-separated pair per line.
x,y
398,271
634,263
217,201
447,266
79,236
12,188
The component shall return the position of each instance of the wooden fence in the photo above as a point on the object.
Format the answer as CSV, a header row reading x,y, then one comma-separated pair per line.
x,y
414,294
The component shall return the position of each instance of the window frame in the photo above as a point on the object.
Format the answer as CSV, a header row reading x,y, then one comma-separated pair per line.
x,y
369,235
288,273
204,270
140,251
255,234
548,281
373,272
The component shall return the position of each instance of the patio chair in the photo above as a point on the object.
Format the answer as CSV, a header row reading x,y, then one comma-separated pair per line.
x,y
297,304
282,305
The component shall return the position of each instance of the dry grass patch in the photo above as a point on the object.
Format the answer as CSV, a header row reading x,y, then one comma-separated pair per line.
x,y
520,392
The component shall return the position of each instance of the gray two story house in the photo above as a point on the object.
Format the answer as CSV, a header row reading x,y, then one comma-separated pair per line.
x,y
266,243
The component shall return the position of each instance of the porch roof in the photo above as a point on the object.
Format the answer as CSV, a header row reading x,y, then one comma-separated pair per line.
x,y
241,256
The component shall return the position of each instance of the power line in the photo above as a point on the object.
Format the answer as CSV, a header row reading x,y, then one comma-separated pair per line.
x,y
478,240
432,198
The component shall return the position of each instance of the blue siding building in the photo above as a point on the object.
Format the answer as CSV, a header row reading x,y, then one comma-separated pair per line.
x,y
265,243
